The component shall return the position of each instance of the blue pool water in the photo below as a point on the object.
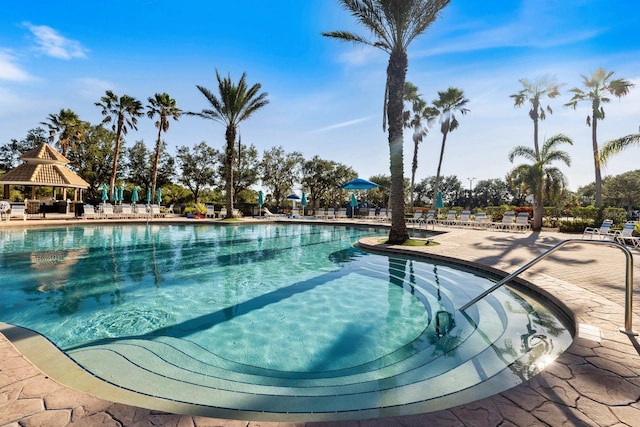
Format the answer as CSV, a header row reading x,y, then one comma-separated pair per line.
x,y
271,318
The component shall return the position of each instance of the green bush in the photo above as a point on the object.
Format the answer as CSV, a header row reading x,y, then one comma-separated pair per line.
x,y
574,226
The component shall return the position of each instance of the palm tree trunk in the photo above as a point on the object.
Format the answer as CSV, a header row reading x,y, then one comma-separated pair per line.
x,y
414,168
596,160
396,76
229,160
116,154
156,160
437,186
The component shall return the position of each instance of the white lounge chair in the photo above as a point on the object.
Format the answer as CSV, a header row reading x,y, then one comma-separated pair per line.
x,y
126,211
465,219
626,237
211,212
522,222
90,212
155,211
507,221
106,211
331,213
18,211
342,213
604,231
481,220
417,217
450,219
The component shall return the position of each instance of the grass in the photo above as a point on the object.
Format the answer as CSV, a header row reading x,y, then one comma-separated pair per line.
x,y
414,242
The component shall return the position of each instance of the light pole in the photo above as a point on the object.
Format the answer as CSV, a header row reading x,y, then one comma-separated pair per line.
x,y
471,185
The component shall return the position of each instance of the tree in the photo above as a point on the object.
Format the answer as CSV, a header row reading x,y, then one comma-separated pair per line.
x,y
316,179
163,106
245,171
597,90
124,112
491,192
280,171
69,128
10,153
449,102
236,104
91,160
419,119
622,190
540,173
198,167
139,166
617,145
394,24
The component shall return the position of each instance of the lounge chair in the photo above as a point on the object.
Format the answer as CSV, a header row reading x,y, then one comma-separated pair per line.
x,y
331,213
106,211
372,214
155,211
268,214
604,231
211,212
90,212
321,213
507,221
17,211
126,211
626,237
417,217
522,222
450,219
481,220
342,213
465,219
170,209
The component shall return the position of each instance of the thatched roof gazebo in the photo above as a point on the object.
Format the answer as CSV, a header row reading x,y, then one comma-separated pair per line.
x,y
44,167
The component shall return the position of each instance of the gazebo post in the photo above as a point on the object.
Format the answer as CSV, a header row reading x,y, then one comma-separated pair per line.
x,y
7,193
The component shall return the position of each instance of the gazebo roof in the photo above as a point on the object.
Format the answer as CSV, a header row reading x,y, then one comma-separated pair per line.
x,y
43,167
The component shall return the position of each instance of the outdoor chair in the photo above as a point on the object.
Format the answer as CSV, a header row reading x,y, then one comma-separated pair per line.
x,y
211,212
331,213
507,221
417,217
106,211
465,219
481,220
626,237
450,219
522,222
342,213
17,211
604,231
90,212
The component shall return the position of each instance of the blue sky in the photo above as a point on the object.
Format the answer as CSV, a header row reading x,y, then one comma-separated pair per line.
x,y
325,95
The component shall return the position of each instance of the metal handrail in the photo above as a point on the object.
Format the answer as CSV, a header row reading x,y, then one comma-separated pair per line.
x,y
628,327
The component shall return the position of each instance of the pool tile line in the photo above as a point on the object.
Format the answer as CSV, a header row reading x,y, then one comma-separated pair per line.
x,y
592,383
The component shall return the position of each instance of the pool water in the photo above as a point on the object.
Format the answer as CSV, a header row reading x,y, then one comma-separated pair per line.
x,y
271,318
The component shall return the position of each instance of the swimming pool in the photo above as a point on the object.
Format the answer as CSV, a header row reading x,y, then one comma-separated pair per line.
x,y
271,320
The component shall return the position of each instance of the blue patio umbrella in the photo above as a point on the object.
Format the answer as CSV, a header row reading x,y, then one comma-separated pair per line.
x,y
148,195
159,196
134,195
439,202
293,198
359,184
105,192
353,203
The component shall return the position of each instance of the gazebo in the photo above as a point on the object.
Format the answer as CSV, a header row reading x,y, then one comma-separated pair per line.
x,y
44,167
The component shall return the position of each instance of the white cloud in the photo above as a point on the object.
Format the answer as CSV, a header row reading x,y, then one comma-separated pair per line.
x,y
53,44
92,88
343,124
9,70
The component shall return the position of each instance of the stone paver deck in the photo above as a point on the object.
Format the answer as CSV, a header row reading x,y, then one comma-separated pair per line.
x,y
594,383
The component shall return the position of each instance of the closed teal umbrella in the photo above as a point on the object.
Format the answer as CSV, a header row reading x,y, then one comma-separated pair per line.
x,y
260,201
105,192
439,202
121,195
159,196
303,202
134,195
148,195
353,204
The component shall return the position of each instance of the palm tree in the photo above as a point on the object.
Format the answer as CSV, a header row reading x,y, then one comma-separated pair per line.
x,y
414,119
124,112
165,108
540,175
598,88
69,128
236,103
394,24
533,92
449,102
617,145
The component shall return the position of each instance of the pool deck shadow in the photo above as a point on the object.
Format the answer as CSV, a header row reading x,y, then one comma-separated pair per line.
x,y
594,383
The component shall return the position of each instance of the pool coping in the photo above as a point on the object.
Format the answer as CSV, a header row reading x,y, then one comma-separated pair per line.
x,y
594,382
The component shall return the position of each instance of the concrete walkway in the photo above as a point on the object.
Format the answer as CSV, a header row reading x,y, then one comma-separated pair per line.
x,y
594,383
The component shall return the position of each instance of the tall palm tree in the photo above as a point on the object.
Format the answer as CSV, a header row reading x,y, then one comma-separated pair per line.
x,y
235,104
449,102
597,90
540,175
617,145
124,112
420,118
394,24
163,106
69,128
533,93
